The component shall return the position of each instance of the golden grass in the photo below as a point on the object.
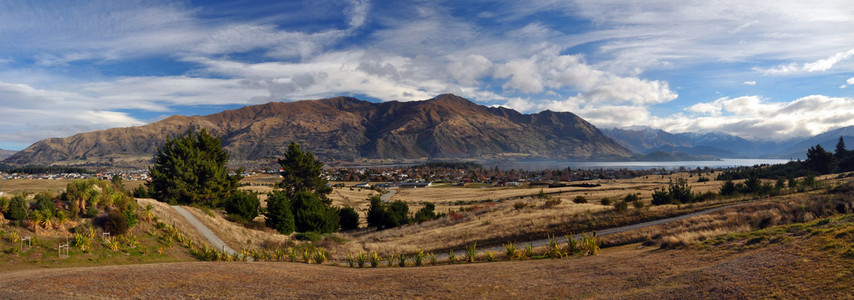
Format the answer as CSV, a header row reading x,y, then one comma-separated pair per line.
x,y
235,235
33,186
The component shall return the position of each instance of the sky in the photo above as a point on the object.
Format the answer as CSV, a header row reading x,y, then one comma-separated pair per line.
x,y
762,70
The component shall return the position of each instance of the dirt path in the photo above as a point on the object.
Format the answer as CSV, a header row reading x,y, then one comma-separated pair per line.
x,y
215,241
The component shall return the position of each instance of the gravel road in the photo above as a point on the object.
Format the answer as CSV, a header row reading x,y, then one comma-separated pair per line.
x,y
215,241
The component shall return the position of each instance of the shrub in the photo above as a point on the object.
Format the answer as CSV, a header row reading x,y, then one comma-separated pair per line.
x,y
728,188
426,213
115,222
308,236
432,258
17,209
579,199
401,260
310,214
510,250
529,251
490,256
375,259
243,205
519,205
348,218
387,216
279,216
44,203
452,258
552,202
605,201
419,258
621,206
631,198
638,204
141,192
471,251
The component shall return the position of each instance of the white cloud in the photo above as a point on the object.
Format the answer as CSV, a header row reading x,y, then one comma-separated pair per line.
x,y
816,66
850,80
550,70
842,86
755,118
750,83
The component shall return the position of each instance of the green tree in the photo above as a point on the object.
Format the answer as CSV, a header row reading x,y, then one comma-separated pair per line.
x,y
243,205
840,149
349,218
44,203
728,188
279,216
301,172
376,213
820,161
310,214
17,209
191,169
426,213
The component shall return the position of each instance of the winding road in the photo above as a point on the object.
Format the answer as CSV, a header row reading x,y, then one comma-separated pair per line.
x,y
206,232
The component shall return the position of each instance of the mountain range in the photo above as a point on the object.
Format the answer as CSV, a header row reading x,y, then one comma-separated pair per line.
x,y
6,153
347,129
645,140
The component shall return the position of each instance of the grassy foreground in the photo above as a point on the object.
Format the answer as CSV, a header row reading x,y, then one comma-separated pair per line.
x,y
802,260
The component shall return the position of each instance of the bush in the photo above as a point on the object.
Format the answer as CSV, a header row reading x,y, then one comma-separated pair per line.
x,y
605,201
552,202
115,223
621,206
638,203
426,213
519,205
310,214
279,215
17,209
579,199
243,205
308,236
141,192
728,188
44,202
348,218
387,216
631,198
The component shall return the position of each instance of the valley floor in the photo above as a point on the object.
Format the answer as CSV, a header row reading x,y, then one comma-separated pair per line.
x,y
773,263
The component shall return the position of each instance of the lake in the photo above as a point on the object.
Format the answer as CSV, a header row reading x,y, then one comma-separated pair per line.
x,y
632,165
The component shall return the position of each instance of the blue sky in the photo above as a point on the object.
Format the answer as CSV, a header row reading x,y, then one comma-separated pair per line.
x,y
768,70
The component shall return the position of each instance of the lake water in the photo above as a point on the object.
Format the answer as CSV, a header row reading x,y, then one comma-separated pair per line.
x,y
632,165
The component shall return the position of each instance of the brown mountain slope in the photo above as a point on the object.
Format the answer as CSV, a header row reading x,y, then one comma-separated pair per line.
x,y
347,129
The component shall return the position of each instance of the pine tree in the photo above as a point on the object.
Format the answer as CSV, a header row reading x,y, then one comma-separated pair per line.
x,y
840,149
279,216
301,172
191,169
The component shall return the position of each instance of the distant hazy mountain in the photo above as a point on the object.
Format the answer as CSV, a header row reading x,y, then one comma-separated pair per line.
x,y
827,140
646,140
347,129
6,153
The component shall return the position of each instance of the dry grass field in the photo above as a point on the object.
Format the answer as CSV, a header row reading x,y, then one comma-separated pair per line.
x,y
735,268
